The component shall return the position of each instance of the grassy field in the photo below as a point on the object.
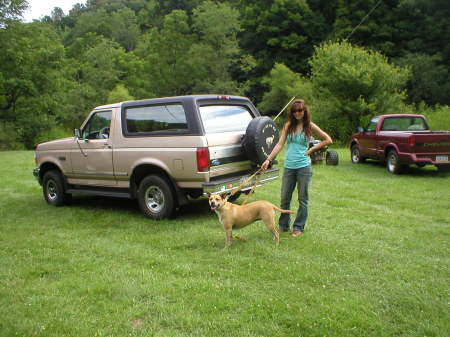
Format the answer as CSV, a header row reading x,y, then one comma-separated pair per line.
x,y
374,261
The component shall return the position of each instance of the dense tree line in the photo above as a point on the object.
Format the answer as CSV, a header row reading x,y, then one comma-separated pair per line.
x,y
350,59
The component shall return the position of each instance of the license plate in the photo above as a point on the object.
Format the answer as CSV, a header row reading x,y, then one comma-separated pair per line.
x,y
441,158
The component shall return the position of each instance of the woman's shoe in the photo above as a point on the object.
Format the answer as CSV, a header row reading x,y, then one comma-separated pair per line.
x,y
297,233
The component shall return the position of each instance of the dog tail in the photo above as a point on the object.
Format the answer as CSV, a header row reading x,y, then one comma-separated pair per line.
x,y
282,210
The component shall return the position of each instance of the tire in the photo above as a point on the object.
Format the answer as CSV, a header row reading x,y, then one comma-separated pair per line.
x,y
356,155
260,138
53,189
332,158
156,197
393,164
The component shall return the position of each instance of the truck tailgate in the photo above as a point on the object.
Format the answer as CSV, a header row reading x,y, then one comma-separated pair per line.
x,y
431,142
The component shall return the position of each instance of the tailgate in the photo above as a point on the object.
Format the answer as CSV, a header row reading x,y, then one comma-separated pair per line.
x,y
226,154
229,166
431,143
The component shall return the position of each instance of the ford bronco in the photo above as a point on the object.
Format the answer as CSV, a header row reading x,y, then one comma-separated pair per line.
x,y
161,152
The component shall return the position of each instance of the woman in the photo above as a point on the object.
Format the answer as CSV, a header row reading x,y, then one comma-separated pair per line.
x,y
297,165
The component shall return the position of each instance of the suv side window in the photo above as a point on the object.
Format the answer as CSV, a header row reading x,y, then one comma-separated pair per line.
x,y
98,126
372,125
148,119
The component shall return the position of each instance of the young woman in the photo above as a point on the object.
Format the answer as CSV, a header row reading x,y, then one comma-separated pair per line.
x,y
297,165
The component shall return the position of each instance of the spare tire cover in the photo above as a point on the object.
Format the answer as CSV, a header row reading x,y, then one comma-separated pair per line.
x,y
260,138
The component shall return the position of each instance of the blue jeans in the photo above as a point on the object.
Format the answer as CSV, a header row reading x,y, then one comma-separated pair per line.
x,y
292,177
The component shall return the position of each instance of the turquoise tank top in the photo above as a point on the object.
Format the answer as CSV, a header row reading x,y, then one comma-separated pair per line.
x,y
296,152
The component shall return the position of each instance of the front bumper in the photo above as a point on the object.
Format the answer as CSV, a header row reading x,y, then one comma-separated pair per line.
x,y
37,175
229,184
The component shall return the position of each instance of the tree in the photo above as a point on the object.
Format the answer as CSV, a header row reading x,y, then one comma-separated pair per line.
x,y
11,10
119,94
33,81
283,31
216,26
429,81
165,54
284,84
351,84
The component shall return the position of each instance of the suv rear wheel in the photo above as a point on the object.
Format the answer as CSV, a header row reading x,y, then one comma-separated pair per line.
x,y
53,188
156,197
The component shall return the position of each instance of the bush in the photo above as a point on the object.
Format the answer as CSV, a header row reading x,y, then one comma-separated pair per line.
x,y
438,116
284,84
8,138
54,133
350,85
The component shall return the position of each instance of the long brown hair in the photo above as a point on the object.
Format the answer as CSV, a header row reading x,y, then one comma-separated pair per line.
x,y
292,122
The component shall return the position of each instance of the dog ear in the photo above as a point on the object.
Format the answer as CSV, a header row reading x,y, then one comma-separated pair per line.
x,y
208,194
224,196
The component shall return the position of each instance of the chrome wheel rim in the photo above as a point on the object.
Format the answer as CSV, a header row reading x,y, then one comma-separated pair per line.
x,y
355,156
52,190
154,199
392,162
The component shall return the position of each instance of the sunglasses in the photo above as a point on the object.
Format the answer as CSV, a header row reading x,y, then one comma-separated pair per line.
x,y
294,111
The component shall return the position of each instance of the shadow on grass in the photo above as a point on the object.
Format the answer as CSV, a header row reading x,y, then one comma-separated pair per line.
x,y
194,209
411,170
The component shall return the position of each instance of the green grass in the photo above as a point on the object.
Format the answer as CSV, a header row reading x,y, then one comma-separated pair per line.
x,y
374,261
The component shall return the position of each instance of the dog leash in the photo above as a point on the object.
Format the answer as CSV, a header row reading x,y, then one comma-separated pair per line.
x,y
246,181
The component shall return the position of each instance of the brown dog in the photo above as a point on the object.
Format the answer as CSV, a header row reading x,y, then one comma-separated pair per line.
x,y
233,216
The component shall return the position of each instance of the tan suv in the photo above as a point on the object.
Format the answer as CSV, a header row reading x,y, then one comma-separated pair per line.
x,y
161,152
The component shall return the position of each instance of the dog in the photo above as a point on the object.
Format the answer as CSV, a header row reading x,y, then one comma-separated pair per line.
x,y
233,216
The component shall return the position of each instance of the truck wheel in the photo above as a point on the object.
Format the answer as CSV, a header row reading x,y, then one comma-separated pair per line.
x,y
356,155
53,188
156,197
332,158
393,164
260,138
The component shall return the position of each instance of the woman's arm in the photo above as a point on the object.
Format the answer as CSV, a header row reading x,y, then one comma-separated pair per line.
x,y
277,148
326,139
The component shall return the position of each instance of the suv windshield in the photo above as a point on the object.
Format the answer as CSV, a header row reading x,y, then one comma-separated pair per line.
x,y
225,118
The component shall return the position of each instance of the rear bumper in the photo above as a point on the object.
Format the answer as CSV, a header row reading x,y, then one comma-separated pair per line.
x,y
425,158
229,184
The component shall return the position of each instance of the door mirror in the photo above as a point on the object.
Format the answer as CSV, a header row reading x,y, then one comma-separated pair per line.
x,y
360,129
77,133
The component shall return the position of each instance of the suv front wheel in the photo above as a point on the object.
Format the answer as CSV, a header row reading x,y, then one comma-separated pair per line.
x,y
53,188
156,197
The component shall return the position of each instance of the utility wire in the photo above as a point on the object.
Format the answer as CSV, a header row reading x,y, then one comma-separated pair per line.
x,y
363,19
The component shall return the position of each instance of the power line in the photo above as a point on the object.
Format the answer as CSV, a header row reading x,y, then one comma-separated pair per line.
x,y
363,19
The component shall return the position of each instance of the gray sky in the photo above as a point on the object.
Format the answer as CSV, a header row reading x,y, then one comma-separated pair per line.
x,y
40,8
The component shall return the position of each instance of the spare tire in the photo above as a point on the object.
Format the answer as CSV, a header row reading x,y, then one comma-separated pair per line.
x,y
260,138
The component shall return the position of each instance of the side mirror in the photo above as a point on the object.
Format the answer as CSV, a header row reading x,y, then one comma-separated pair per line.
x,y
360,129
77,133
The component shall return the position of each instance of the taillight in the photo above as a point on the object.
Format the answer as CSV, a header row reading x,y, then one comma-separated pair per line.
x,y
202,159
412,141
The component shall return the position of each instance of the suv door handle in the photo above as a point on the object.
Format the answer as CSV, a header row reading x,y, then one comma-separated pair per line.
x,y
107,146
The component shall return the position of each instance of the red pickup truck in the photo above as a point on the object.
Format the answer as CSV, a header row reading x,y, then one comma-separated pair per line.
x,y
401,140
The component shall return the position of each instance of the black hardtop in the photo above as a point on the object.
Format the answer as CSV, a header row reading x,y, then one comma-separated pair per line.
x,y
186,99
190,104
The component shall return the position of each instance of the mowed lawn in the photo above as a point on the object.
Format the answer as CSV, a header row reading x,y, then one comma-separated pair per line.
x,y
374,261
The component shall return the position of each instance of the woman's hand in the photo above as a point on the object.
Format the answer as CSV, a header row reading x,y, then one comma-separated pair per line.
x,y
265,165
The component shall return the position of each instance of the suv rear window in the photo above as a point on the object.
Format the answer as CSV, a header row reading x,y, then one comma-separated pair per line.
x,y
404,124
145,119
225,118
